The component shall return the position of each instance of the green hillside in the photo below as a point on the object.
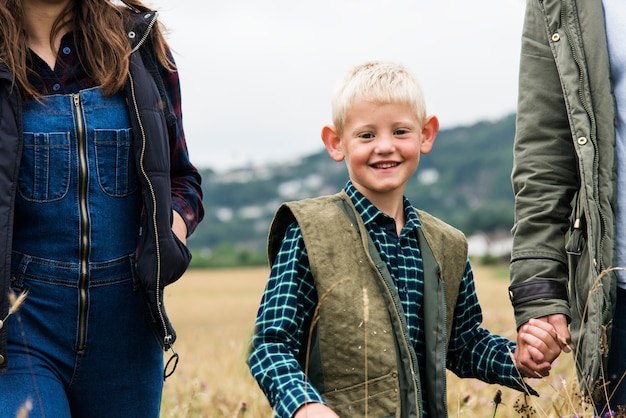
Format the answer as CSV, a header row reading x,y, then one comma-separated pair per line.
x,y
465,181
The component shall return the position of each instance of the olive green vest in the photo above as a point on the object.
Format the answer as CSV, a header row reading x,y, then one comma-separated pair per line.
x,y
358,346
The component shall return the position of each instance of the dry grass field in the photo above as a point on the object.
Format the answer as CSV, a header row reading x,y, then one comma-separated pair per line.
x,y
213,312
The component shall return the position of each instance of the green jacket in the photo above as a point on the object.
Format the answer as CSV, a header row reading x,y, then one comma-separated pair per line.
x,y
359,346
563,177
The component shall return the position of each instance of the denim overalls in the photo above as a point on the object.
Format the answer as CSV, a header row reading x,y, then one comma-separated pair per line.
x,y
80,346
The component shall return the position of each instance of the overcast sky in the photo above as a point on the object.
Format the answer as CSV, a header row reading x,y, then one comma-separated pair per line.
x,y
257,76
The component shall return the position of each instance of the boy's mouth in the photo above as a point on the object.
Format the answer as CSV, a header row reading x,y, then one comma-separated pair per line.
x,y
385,165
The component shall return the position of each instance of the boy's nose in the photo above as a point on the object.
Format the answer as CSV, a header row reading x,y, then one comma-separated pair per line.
x,y
385,144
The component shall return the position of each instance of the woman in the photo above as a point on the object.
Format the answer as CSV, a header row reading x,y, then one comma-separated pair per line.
x,y
97,197
570,200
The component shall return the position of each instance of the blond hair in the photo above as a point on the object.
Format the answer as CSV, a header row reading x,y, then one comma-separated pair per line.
x,y
378,82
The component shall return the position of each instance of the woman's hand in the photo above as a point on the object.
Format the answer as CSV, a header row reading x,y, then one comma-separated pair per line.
x,y
539,342
179,227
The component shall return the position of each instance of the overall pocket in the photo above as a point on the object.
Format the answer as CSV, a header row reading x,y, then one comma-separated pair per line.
x,y
45,167
115,161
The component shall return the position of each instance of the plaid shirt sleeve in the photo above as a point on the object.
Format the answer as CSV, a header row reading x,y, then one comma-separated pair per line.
x,y
475,352
283,320
186,189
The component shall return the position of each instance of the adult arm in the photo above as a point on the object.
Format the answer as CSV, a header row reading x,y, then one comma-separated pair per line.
x,y
545,180
185,178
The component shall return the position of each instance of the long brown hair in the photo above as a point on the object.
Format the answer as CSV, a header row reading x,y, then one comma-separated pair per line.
x,y
99,34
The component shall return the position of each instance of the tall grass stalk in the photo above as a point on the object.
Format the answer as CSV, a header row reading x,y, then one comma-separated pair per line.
x,y
603,385
314,321
214,311
24,410
366,317
15,302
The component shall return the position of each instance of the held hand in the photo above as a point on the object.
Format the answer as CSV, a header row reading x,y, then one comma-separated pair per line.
x,y
559,322
540,342
179,227
315,410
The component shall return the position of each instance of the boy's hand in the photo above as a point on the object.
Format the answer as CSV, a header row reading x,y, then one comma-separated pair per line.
x,y
539,343
315,410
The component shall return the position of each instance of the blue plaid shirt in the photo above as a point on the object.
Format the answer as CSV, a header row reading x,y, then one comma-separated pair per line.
x,y
290,299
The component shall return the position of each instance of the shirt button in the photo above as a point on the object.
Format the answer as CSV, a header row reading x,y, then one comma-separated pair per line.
x,y
67,50
56,87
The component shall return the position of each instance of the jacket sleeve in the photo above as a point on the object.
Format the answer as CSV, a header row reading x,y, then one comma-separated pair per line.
x,y
544,177
186,180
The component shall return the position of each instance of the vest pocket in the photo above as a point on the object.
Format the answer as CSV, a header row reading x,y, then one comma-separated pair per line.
x,y
45,166
115,161
382,398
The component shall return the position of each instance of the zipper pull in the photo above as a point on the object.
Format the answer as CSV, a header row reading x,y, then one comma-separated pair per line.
x,y
170,365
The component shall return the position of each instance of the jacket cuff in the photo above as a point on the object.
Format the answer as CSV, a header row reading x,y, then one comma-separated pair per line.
x,y
537,289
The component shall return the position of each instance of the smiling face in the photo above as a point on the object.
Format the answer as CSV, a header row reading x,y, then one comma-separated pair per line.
x,y
381,144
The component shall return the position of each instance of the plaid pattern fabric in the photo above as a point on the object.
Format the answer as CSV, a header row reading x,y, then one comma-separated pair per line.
x,y
69,77
290,298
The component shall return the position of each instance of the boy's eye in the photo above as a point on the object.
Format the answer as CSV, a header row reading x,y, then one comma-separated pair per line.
x,y
367,135
400,131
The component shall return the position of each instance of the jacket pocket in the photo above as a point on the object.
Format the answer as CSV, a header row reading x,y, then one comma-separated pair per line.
x,y
162,264
175,259
158,266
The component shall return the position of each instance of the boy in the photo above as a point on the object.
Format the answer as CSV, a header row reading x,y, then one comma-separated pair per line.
x,y
368,301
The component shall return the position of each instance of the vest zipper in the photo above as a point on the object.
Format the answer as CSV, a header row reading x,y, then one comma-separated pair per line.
x,y
405,336
84,224
444,338
147,31
168,338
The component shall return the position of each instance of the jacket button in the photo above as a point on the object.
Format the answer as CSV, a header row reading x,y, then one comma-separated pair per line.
x,y
556,37
131,35
1,359
582,140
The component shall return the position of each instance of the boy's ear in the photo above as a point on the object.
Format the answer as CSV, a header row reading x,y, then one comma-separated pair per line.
x,y
332,142
429,132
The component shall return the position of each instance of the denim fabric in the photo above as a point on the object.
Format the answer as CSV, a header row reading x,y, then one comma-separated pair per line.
x,y
80,345
120,372
51,175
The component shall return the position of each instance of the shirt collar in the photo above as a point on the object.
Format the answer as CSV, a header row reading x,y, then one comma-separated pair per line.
x,y
67,77
370,213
